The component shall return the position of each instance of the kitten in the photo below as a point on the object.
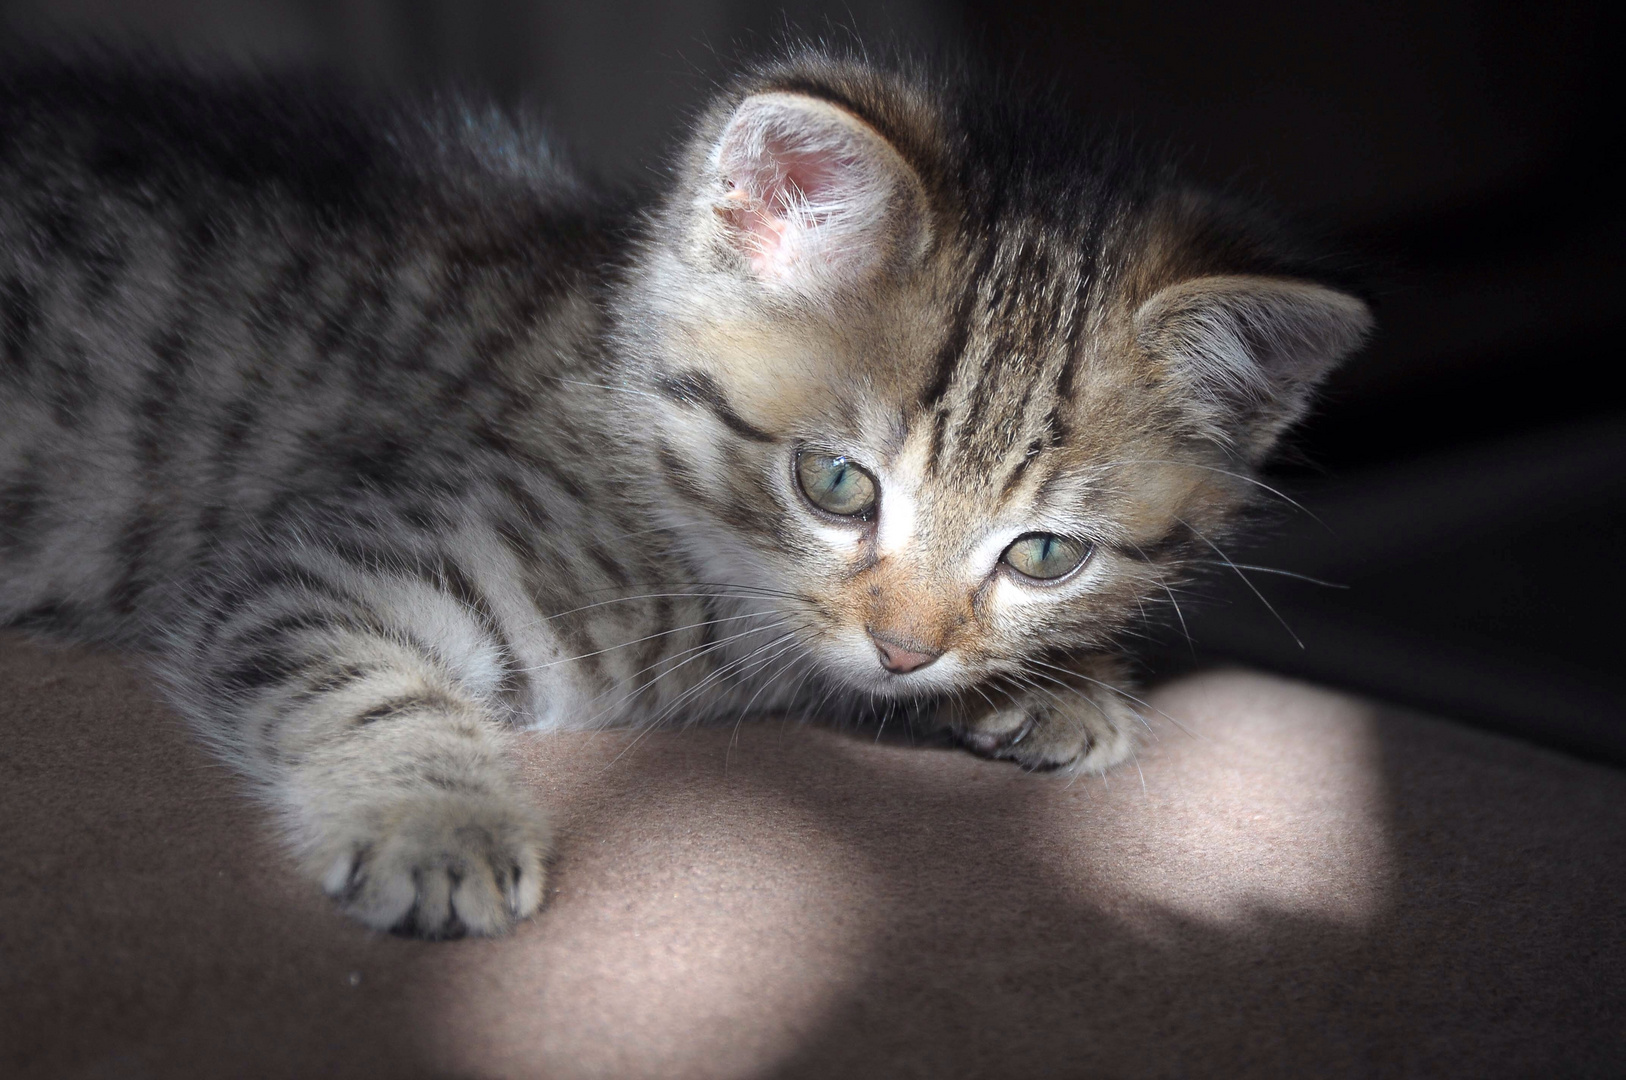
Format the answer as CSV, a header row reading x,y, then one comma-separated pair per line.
x,y
388,436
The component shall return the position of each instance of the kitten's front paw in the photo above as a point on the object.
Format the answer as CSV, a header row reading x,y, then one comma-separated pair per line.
x,y
438,865
1085,730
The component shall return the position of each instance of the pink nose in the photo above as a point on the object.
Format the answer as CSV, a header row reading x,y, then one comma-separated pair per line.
x,y
899,658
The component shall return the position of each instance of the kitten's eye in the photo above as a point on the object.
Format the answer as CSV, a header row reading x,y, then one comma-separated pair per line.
x,y
1046,557
835,484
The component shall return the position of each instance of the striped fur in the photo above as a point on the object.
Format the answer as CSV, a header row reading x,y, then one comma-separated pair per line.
x,y
387,435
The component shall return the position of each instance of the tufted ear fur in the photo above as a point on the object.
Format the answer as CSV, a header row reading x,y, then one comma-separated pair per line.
x,y
1251,349
810,197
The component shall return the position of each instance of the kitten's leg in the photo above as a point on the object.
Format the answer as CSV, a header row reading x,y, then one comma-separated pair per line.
x,y
367,704
1077,719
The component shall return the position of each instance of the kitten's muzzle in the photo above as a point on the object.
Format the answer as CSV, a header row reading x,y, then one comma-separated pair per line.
x,y
900,656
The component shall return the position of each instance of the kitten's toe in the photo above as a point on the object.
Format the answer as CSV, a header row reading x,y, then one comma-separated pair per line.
x,y
1085,735
442,867
999,731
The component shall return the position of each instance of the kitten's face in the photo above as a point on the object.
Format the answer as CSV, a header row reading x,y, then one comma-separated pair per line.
x,y
931,539
938,436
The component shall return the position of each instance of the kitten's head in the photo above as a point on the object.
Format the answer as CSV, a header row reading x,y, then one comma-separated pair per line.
x,y
966,383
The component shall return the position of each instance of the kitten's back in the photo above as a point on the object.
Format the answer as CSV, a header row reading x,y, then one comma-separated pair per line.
x,y
222,295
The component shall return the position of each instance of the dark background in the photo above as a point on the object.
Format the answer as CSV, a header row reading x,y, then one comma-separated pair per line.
x,y
1467,474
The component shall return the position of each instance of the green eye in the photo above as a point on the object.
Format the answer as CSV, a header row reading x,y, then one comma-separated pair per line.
x,y
1046,557
835,484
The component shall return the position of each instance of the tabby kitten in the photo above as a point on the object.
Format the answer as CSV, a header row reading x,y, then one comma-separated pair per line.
x,y
389,436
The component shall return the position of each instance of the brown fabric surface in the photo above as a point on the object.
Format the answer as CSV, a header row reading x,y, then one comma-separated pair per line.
x,y
1297,883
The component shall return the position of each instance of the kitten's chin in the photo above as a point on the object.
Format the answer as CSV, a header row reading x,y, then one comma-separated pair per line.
x,y
911,687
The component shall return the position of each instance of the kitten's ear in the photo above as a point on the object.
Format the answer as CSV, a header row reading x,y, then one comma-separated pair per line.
x,y
1251,349
810,196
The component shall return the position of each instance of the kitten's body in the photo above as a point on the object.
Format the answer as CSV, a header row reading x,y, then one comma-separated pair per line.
x,y
388,435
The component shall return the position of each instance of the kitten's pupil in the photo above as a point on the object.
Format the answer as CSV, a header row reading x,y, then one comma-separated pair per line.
x,y
836,485
1045,556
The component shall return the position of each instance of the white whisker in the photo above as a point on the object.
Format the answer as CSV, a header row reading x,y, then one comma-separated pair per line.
x,y
646,637
1223,472
1246,581
1116,690
1280,572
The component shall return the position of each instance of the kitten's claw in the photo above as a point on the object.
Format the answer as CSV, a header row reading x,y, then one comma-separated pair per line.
x,y
1088,732
441,867
998,731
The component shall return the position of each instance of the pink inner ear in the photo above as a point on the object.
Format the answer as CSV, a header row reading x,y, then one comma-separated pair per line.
x,y
783,191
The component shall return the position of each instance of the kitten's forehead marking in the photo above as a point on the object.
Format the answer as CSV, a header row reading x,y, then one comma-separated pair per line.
x,y
909,494
1005,371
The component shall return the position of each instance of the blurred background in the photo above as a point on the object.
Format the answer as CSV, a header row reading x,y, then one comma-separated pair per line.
x,y
1464,480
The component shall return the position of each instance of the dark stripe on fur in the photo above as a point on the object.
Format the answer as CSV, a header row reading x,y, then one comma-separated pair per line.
x,y
752,505
257,636
939,431
238,594
406,704
682,478
697,388
71,389
331,682
499,443
56,613
133,549
21,500
266,667
1033,450
19,319
953,347
605,562
1066,378
467,591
